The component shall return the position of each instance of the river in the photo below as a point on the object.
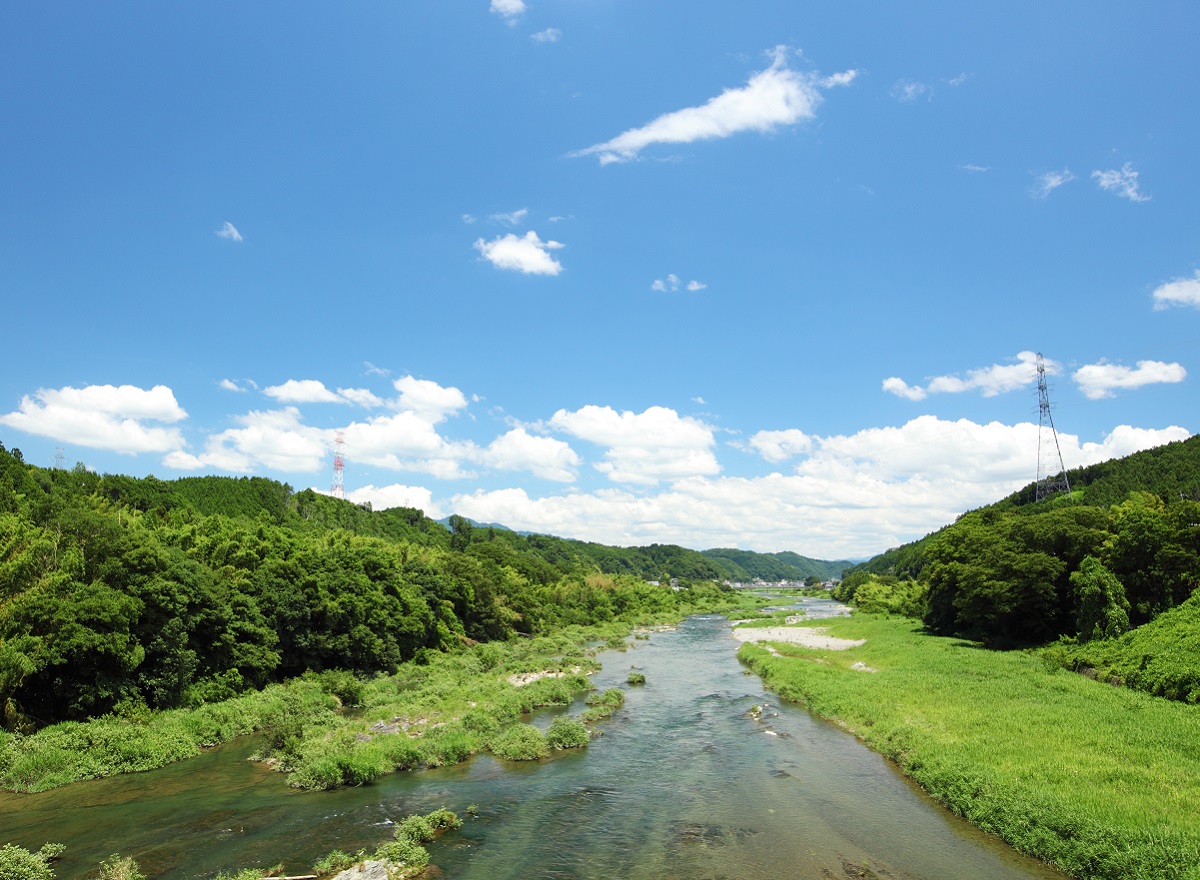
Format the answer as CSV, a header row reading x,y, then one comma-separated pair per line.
x,y
683,782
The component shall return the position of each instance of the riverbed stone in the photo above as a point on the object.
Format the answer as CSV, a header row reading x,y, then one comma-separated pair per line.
x,y
372,869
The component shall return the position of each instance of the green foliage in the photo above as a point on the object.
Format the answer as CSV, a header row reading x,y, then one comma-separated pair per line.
x,y
337,861
882,594
635,678
18,863
1103,610
520,742
567,733
117,867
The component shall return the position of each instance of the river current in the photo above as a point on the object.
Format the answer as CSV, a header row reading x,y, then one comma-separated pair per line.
x,y
683,782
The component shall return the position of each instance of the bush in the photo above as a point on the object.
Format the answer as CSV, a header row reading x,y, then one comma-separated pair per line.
x,y
336,861
567,733
18,863
117,867
521,742
636,678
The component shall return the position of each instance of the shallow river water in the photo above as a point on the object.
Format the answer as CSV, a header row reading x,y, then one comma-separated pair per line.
x,y
682,783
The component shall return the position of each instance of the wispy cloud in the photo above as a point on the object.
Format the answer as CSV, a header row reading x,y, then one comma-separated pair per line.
x,y
1101,380
771,98
906,90
549,35
1180,292
1122,182
974,169
1048,181
229,231
990,381
230,385
512,218
527,253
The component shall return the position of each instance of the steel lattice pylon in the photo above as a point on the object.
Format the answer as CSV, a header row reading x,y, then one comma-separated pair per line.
x,y
1050,480
338,489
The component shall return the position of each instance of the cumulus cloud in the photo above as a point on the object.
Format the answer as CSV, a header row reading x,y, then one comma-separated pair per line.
x,y
395,495
1098,381
1048,181
549,35
1122,182
643,448
527,253
990,381
109,417
777,446
302,391
229,231
854,496
508,9
230,385
1180,292
771,98
427,399
544,457
275,439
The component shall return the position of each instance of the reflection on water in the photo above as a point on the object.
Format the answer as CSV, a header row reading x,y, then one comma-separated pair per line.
x,y
683,782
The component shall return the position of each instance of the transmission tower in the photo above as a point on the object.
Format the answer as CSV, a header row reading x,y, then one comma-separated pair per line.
x,y
1049,480
338,489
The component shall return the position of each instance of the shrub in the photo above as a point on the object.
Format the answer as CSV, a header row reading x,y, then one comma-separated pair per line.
x,y
636,678
18,863
521,742
117,867
567,733
336,861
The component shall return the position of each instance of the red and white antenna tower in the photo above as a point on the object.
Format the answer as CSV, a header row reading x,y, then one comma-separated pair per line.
x,y
338,489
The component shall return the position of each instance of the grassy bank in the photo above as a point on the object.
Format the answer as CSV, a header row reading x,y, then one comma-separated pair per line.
x,y
1102,782
333,728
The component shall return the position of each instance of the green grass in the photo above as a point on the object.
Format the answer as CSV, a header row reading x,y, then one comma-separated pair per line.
x,y
1103,782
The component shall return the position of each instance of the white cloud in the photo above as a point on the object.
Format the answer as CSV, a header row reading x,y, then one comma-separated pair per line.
x,y
360,396
896,385
275,439
1180,292
230,385
508,9
959,80
643,448
549,35
1122,182
854,496
993,380
512,218
302,391
229,231
672,284
906,91
777,446
771,98
1100,380
396,495
102,417
528,253
1048,181
544,457
974,169
428,400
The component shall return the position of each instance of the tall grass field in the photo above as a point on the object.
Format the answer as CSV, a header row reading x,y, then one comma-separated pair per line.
x,y
1100,781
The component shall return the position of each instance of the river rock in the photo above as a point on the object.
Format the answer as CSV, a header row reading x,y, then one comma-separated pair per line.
x,y
372,869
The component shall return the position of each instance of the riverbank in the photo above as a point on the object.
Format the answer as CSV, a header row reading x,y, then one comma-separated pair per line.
x,y
1101,782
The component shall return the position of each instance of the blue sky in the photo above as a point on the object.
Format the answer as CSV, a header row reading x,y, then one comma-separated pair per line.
x,y
767,275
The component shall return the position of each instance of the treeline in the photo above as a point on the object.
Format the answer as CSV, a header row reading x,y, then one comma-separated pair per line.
x,y
1120,550
118,593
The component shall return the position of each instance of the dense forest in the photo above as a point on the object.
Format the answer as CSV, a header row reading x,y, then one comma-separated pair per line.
x,y
118,593
1120,551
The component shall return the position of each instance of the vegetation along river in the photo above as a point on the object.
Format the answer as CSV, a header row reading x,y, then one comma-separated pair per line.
x,y
683,782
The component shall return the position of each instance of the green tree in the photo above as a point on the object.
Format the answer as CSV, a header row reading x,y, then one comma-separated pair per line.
x,y
1102,609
